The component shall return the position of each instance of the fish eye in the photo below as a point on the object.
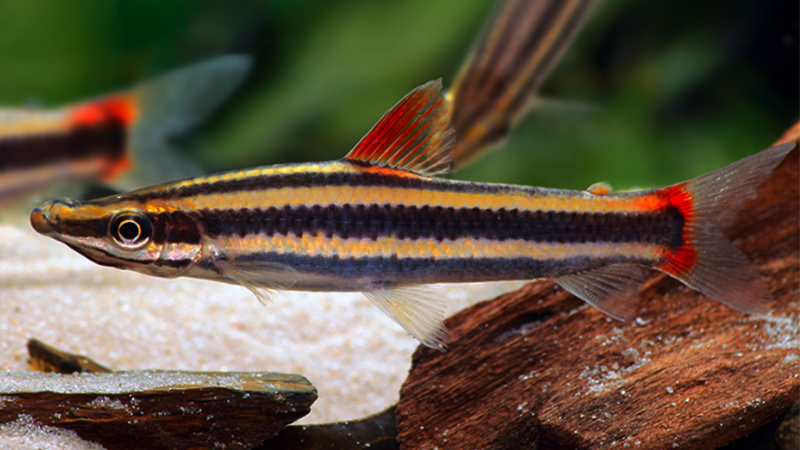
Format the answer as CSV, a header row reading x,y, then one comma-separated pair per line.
x,y
130,230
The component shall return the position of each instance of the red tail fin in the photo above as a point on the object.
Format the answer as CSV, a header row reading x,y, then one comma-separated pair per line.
x,y
707,261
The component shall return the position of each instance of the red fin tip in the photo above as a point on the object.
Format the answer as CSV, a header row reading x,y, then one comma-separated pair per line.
x,y
117,108
415,135
707,261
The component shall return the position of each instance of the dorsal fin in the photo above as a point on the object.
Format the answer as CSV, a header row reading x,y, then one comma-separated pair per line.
x,y
415,135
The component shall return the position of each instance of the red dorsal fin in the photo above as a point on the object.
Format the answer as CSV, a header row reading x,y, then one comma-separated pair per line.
x,y
415,135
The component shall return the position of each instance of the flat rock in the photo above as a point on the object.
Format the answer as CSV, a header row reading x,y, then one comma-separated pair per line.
x,y
537,368
159,409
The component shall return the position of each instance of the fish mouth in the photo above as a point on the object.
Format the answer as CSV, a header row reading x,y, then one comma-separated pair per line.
x,y
40,223
45,219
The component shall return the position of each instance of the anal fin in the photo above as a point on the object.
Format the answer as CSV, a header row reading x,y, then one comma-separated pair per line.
x,y
611,289
417,309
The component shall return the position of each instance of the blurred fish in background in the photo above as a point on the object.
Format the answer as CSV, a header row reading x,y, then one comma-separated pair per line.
x,y
519,47
120,140
684,88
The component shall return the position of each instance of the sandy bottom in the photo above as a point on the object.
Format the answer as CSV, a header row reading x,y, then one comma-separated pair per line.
x,y
355,356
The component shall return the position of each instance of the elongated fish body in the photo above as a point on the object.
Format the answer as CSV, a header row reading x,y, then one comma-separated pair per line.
x,y
379,222
348,227
119,139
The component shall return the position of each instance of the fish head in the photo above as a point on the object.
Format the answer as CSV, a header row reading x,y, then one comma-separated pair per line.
x,y
124,234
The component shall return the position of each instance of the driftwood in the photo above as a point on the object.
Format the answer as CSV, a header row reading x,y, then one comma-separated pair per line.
x,y
537,368
375,432
159,409
46,358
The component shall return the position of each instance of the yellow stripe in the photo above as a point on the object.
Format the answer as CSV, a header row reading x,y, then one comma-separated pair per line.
x,y
16,123
290,169
340,195
511,197
320,245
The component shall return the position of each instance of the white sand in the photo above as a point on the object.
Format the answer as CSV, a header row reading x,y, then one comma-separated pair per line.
x,y
24,434
355,356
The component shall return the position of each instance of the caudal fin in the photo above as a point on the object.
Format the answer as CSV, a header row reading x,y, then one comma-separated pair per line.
x,y
171,105
518,47
707,261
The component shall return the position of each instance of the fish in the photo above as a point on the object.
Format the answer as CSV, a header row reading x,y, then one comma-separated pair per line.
x,y
519,46
119,140
380,221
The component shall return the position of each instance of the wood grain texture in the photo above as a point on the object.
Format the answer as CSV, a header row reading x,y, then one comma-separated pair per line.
x,y
537,368
172,409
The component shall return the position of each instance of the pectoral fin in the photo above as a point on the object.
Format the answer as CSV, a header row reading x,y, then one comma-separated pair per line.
x,y
417,309
611,289
265,279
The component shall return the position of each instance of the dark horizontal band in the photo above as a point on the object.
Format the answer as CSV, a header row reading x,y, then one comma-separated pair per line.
x,y
313,179
411,222
172,227
386,272
107,138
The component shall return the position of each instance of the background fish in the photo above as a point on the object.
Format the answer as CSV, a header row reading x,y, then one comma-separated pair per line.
x,y
379,223
120,140
518,48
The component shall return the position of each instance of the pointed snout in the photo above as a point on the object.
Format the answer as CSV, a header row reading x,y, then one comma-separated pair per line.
x,y
39,220
45,218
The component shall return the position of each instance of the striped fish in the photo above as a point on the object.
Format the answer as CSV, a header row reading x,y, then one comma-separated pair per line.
x,y
379,222
119,139
518,48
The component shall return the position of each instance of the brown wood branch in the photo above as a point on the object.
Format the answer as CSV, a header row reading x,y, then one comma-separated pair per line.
x,y
538,368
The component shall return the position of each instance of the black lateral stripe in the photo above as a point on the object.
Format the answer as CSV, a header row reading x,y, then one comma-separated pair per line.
x,y
175,227
412,222
311,179
182,228
92,228
106,138
388,271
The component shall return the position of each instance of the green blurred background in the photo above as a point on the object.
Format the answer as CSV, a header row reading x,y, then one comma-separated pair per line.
x,y
655,92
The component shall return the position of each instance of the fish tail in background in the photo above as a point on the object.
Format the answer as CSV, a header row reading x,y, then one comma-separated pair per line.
x,y
707,261
169,106
516,51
